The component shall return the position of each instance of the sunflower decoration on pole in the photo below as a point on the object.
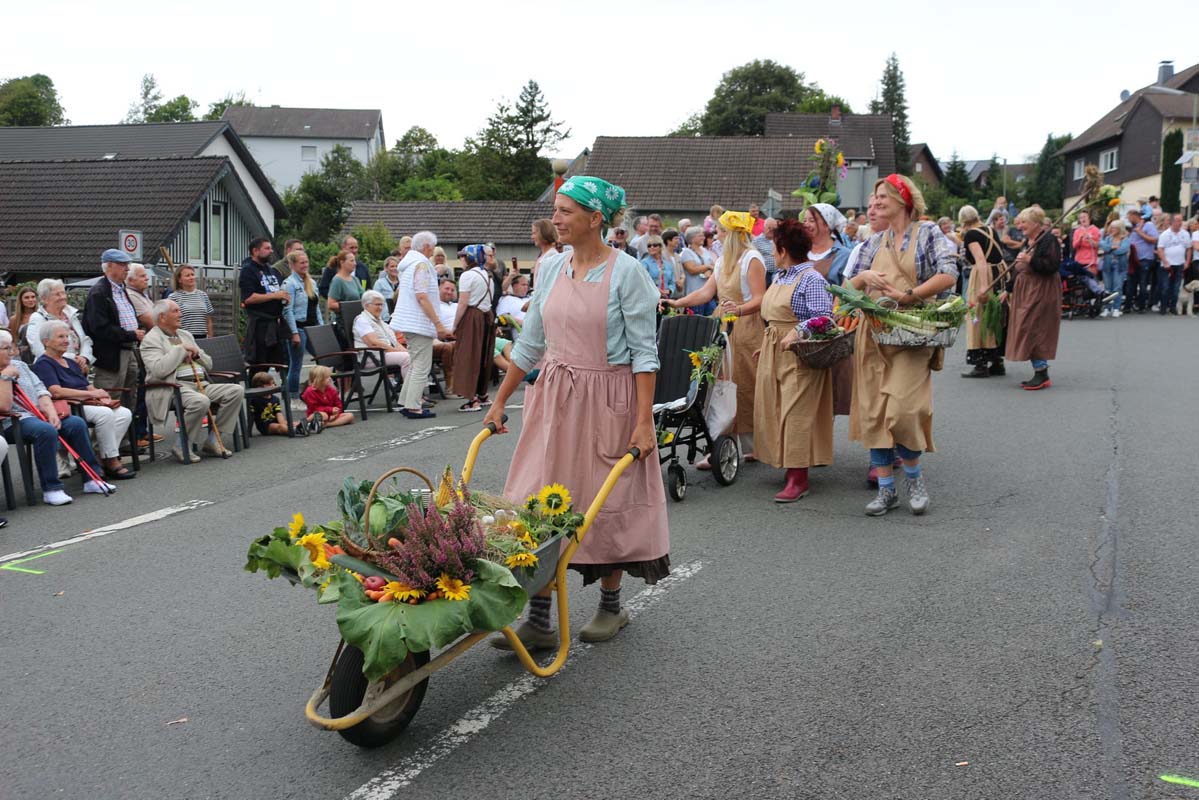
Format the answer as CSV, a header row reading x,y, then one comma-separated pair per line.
x,y
828,165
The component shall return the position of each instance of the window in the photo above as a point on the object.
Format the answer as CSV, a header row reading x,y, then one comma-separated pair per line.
x,y
216,235
1078,169
195,236
1109,160
919,167
308,152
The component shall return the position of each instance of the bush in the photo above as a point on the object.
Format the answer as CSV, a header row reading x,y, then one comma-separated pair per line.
x,y
374,243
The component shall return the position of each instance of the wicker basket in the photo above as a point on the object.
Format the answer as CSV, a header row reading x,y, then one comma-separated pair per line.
x,y
902,337
823,353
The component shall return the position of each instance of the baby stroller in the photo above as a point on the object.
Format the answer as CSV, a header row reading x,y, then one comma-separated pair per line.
x,y
1078,298
679,404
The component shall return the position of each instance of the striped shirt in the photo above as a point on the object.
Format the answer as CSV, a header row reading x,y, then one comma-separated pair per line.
x,y
196,308
935,253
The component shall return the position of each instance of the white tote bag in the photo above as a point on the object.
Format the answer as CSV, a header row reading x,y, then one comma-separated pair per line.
x,y
722,399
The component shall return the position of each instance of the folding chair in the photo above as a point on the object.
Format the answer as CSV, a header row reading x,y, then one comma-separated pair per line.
x,y
229,366
345,364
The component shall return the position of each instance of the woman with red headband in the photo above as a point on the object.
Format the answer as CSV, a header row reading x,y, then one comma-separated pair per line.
x,y
909,262
739,283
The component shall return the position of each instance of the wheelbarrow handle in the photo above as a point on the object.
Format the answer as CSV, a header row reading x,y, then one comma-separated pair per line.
x,y
468,467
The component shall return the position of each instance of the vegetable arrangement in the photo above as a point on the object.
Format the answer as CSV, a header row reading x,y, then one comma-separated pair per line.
x,y
991,316
421,569
926,320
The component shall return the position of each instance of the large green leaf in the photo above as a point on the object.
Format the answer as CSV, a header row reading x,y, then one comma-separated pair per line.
x,y
385,632
274,553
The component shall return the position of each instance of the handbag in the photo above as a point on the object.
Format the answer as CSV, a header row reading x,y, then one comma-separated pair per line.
x,y
722,400
62,408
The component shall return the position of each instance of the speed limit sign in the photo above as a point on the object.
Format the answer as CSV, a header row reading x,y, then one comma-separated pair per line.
x,y
131,243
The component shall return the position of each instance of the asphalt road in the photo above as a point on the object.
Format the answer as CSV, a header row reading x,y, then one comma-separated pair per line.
x,y
1035,636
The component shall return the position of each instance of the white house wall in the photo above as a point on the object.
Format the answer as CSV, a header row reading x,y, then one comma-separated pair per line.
x,y
220,147
281,160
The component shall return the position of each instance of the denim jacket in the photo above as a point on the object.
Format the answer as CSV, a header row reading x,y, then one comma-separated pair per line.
x,y
1117,257
297,309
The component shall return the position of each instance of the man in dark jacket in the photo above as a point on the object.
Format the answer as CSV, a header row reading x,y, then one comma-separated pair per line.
x,y
263,297
110,319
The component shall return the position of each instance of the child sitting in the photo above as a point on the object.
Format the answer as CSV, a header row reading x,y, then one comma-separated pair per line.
x,y
323,401
265,409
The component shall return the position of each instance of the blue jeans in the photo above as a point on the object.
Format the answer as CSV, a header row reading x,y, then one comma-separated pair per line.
x,y
885,456
1114,275
1169,281
1146,273
45,446
1040,363
295,361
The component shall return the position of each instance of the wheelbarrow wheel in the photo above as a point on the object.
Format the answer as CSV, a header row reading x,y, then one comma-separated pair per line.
x,y
726,460
349,686
676,482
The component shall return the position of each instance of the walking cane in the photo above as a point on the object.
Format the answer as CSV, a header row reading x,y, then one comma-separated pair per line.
x,y
22,398
211,417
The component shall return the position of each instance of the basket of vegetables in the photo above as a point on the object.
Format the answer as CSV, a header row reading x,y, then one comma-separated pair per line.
x,y
824,341
930,325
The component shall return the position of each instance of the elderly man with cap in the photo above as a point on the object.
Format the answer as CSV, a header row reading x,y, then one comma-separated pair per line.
x,y
171,356
109,317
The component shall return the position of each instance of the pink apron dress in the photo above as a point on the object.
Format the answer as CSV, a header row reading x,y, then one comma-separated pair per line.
x,y
577,425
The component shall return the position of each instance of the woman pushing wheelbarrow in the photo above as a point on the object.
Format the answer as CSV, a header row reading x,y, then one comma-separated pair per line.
x,y
593,318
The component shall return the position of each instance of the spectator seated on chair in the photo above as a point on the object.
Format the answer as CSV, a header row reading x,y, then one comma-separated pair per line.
x,y
370,331
67,384
265,411
44,435
171,356
323,401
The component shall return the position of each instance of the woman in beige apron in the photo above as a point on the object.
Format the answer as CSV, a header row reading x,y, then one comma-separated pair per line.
x,y
909,262
592,318
793,418
981,250
738,283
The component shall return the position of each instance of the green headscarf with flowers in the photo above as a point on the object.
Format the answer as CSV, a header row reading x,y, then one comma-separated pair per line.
x,y
596,194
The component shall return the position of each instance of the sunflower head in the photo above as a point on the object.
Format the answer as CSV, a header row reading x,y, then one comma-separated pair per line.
x,y
520,560
321,561
840,159
398,592
531,503
696,361
296,525
314,543
819,146
452,588
554,500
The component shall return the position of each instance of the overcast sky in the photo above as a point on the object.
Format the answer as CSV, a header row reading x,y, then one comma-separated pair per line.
x,y
981,78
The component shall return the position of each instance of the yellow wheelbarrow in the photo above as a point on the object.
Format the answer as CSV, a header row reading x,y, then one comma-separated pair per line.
x,y
372,713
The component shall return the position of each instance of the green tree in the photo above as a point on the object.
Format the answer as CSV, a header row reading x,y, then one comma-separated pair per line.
x,y
692,126
992,182
374,242
1171,172
1044,186
820,103
177,109
439,188
30,100
217,110
894,102
149,99
317,208
746,94
957,179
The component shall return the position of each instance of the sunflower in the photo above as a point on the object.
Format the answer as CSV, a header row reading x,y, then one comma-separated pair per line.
x,y
729,318
400,593
527,540
296,525
314,543
321,561
819,146
696,361
531,502
452,588
840,159
520,560
554,500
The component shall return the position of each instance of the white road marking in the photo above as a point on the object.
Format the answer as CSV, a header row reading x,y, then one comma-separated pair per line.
x,y
424,433
93,533
387,784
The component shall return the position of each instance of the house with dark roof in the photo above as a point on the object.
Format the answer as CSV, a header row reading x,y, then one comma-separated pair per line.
x,y
684,176
289,142
57,217
865,139
506,223
1126,142
924,165
170,140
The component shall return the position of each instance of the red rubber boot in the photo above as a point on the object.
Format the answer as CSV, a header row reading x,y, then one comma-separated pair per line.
x,y
796,487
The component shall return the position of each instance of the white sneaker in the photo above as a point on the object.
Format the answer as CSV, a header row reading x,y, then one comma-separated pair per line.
x,y
98,487
1105,313
1156,307
56,497
1117,313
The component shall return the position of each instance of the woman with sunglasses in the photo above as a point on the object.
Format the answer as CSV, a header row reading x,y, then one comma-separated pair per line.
x,y
658,265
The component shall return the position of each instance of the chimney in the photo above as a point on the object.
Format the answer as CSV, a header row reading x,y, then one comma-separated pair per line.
x,y
834,114
1165,71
